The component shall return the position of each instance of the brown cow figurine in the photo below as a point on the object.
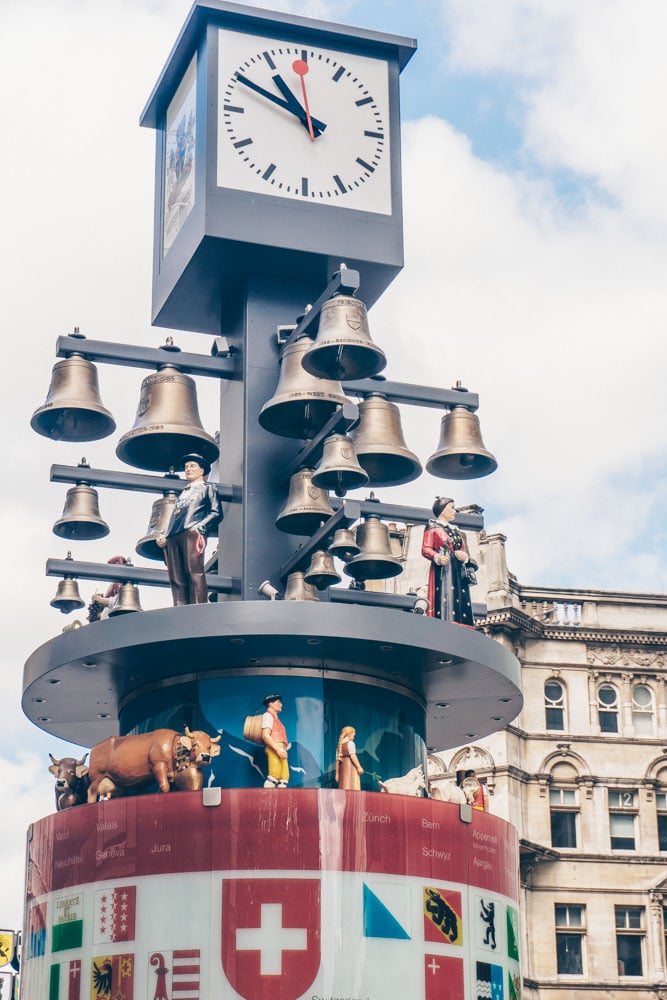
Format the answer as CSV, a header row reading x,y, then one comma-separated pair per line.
x,y
71,781
123,762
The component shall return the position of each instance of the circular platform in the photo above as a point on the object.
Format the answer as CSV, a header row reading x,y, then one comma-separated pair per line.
x,y
76,683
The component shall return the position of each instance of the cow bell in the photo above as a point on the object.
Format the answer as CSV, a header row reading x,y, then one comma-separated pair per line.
x,y
339,469
380,445
344,545
343,348
81,518
306,506
127,600
375,561
73,409
158,524
322,573
302,403
67,597
296,589
461,453
167,425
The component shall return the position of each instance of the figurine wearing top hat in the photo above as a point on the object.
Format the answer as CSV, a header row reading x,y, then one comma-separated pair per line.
x,y
196,512
451,566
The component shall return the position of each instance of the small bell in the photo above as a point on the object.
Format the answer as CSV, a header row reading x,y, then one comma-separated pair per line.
x,y
127,600
159,521
67,597
306,506
343,348
73,409
296,589
81,518
461,453
375,561
380,445
322,573
344,545
339,469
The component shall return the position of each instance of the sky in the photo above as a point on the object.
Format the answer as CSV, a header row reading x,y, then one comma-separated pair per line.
x,y
534,165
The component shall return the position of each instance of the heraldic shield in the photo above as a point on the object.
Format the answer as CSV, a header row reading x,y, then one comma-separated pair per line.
x,y
270,936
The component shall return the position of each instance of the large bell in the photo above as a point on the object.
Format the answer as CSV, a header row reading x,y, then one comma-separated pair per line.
x,y
296,589
461,453
67,596
73,409
339,469
375,561
344,545
302,403
81,516
306,506
167,425
322,573
343,347
159,521
380,445
127,600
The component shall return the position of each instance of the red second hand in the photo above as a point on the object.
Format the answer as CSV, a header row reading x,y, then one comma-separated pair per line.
x,y
300,67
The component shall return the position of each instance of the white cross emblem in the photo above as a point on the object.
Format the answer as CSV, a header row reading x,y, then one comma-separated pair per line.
x,y
433,966
270,939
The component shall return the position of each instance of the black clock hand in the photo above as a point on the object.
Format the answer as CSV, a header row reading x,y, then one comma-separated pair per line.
x,y
292,106
296,106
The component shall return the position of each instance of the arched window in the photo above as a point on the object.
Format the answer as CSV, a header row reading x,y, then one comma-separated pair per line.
x,y
642,710
554,705
608,708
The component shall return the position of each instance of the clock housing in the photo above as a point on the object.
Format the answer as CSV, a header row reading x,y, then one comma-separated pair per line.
x,y
266,195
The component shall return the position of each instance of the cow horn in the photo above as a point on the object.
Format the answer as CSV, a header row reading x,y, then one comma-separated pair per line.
x,y
216,739
53,759
81,762
187,732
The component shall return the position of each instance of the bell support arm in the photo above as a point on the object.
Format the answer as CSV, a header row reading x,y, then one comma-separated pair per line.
x,y
344,282
469,521
137,482
131,574
416,395
348,512
130,356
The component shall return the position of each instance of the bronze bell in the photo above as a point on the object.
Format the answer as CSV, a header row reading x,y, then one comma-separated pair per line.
x,y
375,561
167,425
81,516
159,521
343,347
127,600
73,409
461,453
339,469
67,597
322,573
380,445
306,506
344,545
301,404
296,589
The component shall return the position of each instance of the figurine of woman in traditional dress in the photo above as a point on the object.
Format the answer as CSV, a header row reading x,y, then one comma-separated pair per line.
x,y
348,768
448,584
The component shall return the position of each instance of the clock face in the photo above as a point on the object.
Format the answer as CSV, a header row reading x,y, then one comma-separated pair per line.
x,y
304,123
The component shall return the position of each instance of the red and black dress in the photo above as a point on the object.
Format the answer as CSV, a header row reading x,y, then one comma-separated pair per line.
x,y
448,586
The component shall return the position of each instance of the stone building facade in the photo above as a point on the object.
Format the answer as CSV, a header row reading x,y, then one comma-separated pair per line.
x,y
581,773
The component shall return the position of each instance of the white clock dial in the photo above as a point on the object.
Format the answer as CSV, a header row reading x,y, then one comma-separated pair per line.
x,y
305,123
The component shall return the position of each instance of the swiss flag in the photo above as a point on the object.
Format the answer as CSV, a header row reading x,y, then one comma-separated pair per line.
x,y
444,978
271,936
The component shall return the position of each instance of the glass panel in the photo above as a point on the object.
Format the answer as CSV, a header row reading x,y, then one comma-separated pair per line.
x,y
608,722
562,796
662,833
629,951
568,915
642,696
661,800
563,829
622,830
555,719
553,691
607,695
643,723
623,799
568,954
